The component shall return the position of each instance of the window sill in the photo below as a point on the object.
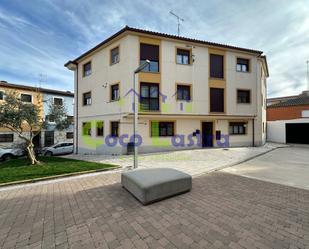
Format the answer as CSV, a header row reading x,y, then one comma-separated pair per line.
x,y
111,64
238,134
213,78
184,64
243,71
240,103
217,113
150,72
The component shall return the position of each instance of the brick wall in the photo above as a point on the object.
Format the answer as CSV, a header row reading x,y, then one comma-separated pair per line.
x,y
286,112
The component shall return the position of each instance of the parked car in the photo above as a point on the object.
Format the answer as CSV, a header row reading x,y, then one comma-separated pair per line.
x,y
9,153
58,149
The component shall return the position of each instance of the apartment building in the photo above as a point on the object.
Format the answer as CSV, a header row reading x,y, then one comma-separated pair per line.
x,y
193,94
42,97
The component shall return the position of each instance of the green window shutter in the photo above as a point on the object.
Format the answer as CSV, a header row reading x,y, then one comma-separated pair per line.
x,y
154,128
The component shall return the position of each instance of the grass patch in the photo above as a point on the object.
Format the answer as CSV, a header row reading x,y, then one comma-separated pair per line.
x,y
21,169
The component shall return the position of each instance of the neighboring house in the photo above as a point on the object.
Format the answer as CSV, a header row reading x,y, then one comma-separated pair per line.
x,y
288,120
290,108
43,97
271,101
193,94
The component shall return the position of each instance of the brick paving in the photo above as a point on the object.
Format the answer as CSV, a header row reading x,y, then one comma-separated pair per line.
x,y
221,211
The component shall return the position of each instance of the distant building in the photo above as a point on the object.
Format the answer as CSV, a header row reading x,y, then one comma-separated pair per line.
x,y
288,119
44,97
291,107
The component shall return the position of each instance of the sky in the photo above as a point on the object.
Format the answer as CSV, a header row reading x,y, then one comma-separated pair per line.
x,y
38,36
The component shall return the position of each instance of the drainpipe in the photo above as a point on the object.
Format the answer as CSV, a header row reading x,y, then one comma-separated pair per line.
x,y
253,141
76,125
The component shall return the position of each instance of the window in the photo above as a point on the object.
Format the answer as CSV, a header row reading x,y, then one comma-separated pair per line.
x,y
183,92
115,55
87,69
87,129
50,118
100,128
115,92
216,100
149,99
58,101
70,135
6,138
1,95
162,129
242,65
115,128
237,128
183,56
26,98
70,119
216,66
87,98
151,53
243,96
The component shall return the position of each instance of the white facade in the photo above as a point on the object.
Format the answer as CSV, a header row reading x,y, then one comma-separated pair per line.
x,y
187,116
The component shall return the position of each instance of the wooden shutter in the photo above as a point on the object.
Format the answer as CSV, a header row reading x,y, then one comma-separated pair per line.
x,y
216,66
149,52
216,100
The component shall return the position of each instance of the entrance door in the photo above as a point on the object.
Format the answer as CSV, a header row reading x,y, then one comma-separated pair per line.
x,y
207,134
37,141
49,138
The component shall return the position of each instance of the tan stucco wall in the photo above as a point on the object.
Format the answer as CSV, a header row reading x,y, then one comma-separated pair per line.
x,y
171,73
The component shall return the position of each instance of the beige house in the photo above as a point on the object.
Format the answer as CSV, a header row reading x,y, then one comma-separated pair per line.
x,y
193,94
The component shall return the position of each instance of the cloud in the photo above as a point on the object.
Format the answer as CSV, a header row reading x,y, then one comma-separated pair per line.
x,y
40,36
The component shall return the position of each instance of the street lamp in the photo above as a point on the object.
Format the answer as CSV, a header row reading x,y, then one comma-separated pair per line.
x,y
135,104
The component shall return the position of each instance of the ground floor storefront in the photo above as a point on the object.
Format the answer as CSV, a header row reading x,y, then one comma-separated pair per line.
x,y
114,134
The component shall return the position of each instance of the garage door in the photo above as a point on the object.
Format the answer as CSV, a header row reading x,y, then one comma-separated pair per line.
x,y
297,133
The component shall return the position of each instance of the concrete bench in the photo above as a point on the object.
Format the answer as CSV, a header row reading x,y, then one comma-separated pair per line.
x,y
150,185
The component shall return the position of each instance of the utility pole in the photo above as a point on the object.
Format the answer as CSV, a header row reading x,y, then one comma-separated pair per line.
x,y
307,75
178,21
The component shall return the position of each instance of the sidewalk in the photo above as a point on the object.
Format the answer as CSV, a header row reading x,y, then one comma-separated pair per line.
x,y
193,162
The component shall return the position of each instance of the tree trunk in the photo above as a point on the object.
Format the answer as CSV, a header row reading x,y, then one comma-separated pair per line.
x,y
31,154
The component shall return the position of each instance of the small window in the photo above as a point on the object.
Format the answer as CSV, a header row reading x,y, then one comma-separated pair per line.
x,y
58,101
1,95
6,138
115,55
237,128
87,69
115,129
162,129
243,96
50,118
87,129
70,119
216,66
70,135
100,128
87,98
26,98
115,92
183,56
183,92
242,65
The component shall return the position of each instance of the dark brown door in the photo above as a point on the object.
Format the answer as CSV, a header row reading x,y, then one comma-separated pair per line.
x,y
49,138
207,134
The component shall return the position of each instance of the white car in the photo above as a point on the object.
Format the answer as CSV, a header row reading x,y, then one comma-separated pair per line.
x,y
58,149
7,154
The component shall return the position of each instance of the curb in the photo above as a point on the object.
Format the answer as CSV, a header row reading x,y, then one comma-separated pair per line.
x,y
47,178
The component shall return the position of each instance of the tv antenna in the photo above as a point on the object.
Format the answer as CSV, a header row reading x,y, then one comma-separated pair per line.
x,y
178,21
307,75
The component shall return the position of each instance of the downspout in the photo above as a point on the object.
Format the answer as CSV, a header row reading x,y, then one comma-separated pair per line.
x,y
76,125
253,139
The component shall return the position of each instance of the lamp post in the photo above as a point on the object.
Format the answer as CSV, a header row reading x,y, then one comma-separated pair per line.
x,y
135,104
